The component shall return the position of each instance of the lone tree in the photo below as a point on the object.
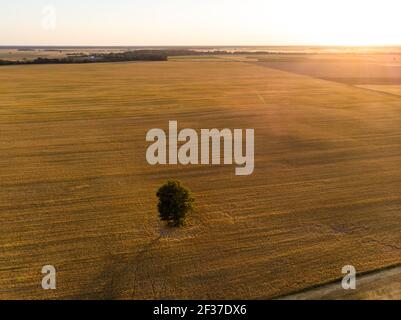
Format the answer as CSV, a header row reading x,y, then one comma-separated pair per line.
x,y
175,202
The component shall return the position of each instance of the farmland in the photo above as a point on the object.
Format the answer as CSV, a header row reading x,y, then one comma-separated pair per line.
x,y
76,191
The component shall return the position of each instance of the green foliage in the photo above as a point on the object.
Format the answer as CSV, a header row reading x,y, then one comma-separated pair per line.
x,y
175,202
140,55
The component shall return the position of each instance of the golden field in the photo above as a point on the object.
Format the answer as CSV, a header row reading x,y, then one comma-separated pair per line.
x,y
390,89
76,191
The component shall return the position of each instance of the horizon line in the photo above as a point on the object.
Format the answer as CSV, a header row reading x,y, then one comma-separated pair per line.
x,y
199,46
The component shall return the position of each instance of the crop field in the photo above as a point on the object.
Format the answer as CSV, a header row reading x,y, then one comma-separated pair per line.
x,y
76,191
349,69
384,284
391,89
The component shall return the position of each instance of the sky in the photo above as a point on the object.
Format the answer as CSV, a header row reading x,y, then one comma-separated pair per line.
x,y
200,22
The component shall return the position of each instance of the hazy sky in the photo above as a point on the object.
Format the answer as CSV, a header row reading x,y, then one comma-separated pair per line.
x,y
200,22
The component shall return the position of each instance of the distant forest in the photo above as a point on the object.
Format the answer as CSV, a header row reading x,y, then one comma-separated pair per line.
x,y
142,55
137,55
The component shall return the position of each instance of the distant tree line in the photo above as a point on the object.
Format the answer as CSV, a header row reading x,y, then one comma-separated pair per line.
x,y
143,55
135,55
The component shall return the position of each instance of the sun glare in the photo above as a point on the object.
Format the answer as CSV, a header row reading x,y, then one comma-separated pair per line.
x,y
207,22
343,22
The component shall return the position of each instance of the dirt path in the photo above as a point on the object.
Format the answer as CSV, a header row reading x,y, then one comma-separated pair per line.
x,y
381,285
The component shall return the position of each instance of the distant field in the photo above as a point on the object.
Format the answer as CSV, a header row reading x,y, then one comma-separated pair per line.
x,y
76,191
195,58
15,54
349,69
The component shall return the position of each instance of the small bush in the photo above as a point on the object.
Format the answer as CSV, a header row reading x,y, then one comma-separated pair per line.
x,y
175,202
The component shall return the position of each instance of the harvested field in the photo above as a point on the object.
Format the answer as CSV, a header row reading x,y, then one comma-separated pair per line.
x,y
350,69
76,191
391,89
381,285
